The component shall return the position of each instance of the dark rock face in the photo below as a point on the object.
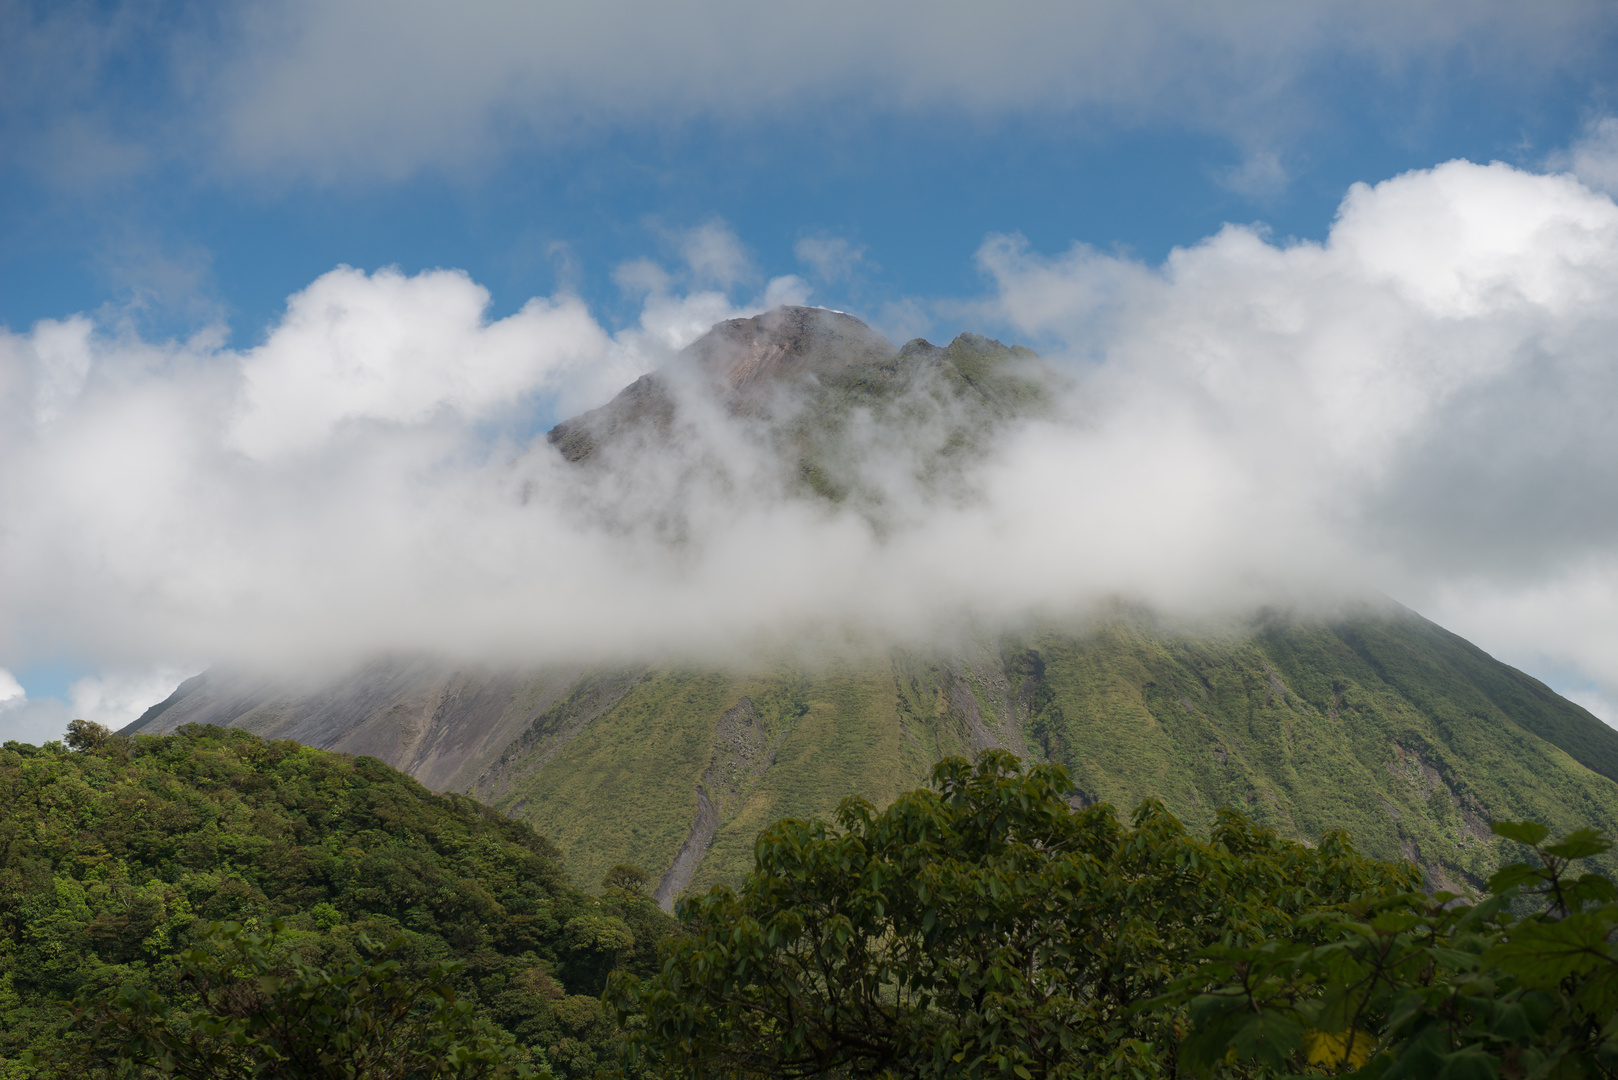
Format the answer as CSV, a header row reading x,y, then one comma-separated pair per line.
x,y
645,405
740,361
743,751
744,356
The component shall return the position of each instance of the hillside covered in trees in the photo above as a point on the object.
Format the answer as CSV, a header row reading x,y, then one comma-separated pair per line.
x,y
211,906
115,854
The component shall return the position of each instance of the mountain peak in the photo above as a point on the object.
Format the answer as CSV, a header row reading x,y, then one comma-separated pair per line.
x,y
785,342
743,359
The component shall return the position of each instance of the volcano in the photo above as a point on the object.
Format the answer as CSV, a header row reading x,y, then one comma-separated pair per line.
x,y
1361,716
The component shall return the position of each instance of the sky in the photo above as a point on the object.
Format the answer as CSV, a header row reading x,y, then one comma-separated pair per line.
x,y
288,290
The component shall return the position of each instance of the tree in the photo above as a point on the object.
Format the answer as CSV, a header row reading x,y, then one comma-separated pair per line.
x,y
1410,985
629,879
86,736
251,1012
983,928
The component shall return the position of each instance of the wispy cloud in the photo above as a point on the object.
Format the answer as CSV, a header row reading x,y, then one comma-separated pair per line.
x,y
715,254
831,258
111,698
356,90
1425,395
1593,157
1260,175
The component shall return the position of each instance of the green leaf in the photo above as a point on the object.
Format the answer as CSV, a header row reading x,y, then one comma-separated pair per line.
x,y
1268,1037
1593,889
1469,1064
1542,954
1454,959
1419,1058
1524,832
1515,875
1511,1023
1579,845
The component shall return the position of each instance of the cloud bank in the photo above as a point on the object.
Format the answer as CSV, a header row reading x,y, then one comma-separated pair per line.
x,y
1431,391
362,84
1421,403
346,89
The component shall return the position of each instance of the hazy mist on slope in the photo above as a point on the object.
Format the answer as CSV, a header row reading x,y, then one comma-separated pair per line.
x,y
1421,404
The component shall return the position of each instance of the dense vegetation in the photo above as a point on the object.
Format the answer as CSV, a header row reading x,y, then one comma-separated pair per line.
x,y
210,906
985,929
116,854
1411,985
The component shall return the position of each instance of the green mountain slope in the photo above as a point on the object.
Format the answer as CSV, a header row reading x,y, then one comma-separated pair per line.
x,y
1365,722
1375,721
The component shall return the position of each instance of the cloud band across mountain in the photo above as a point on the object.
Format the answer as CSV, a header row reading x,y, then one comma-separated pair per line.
x,y
1418,404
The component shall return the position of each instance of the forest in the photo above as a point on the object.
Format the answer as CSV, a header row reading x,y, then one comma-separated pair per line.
x,y
210,904
119,856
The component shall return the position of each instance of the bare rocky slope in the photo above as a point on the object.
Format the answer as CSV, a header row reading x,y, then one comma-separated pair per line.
x,y
1370,719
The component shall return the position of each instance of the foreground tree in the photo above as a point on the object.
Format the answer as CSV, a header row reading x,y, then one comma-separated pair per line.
x,y
1416,986
251,1010
984,928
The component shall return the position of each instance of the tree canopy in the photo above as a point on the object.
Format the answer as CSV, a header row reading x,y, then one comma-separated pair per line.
x,y
121,857
981,928
208,905
1405,986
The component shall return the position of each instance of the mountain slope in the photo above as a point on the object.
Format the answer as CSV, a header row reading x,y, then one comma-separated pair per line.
x,y
1370,719
1375,721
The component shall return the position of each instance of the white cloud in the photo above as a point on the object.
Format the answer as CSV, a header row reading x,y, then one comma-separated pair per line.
x,y
344,90
61,359
392,348
10,689
1260,174
832,258
337,87
1597,703
112,699
28,721
787,289
904,319
1594,157
640,277
116,699
33,721
184,499
1424,398
715,254
1420,403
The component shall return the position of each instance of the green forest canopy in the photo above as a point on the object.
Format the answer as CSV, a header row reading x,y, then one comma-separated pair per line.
x,y
112,855
986,929
209,886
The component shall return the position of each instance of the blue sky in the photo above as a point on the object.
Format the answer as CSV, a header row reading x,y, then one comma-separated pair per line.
x,y
174,170
122,183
